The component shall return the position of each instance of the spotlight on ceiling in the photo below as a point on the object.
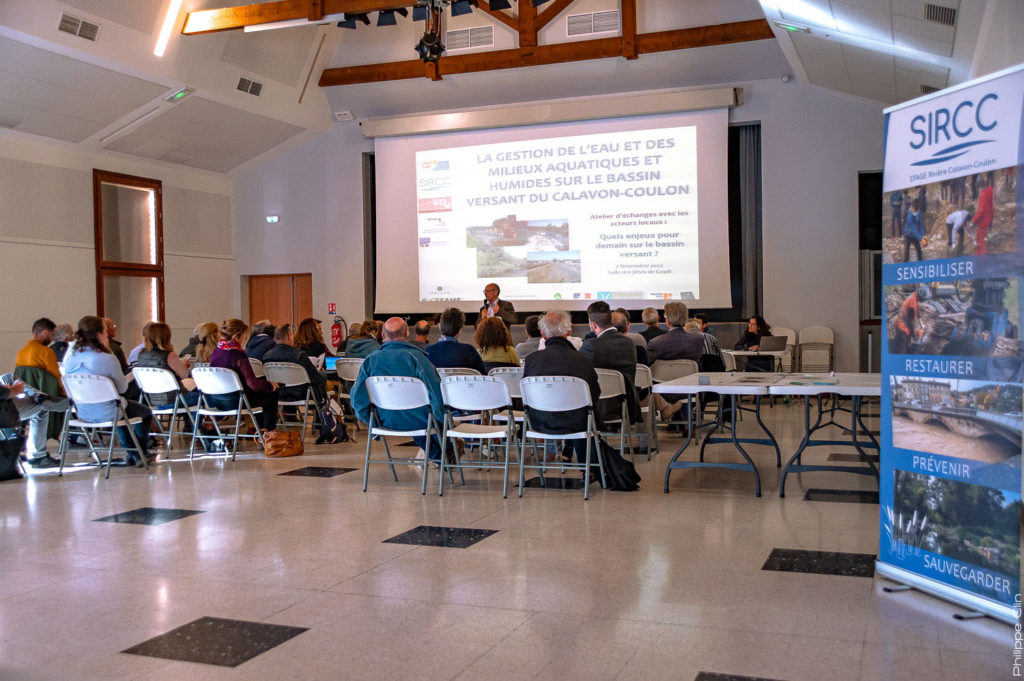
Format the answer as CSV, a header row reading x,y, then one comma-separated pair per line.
x,y
461,7
419,13
429,48
500,4
351,19
386,17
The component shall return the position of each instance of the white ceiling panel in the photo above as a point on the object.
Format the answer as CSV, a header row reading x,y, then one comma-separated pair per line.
x,y
139,15
277,55
926,29
862,21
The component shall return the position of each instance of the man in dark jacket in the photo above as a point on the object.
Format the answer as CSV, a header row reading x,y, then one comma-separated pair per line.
x,y
284,350
448,352
262,341
611,349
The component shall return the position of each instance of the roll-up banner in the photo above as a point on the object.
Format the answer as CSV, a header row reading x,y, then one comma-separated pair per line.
x,y
953,264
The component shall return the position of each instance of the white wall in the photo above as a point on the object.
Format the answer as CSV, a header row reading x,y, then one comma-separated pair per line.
x,y
46,237
999,42
813,144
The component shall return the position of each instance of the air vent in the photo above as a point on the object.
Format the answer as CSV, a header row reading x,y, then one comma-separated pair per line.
x,y
587,24
464,39
928,89
940,15
78,27
250,86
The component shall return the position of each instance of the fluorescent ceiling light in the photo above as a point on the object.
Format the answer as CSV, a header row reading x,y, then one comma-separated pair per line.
x,y
255,28
170,19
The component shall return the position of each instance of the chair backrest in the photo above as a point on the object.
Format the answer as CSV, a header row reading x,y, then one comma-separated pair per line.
x,y
348,368
257,367
216,380
643,377
318,361
611,382
397,392
511,376
155,380
475,393
90,388
670,369
790,334
555,393
444,372
817,334
286,373
729,360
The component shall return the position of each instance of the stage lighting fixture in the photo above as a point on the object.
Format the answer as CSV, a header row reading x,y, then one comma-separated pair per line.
x,y
419,13
500,4
386,17
461,7
429,48
351,19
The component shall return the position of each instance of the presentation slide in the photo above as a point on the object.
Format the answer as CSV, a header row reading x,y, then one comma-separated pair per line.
x,y
632,211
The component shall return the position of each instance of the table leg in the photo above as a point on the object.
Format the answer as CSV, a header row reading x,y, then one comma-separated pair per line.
x,y
736,443
803,443
757,415
689,438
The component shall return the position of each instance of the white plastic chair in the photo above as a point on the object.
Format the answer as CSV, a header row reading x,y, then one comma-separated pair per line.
x,y
815,349
790,334
557,394
398,393
644,380
347,369
221,381
95,389
670,369
510,376
156,381
290,375
444,372
482,394
613,387
257,367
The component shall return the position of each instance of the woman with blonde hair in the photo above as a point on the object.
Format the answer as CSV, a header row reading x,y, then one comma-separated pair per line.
x,y
230,354
494,342
207,333
362,342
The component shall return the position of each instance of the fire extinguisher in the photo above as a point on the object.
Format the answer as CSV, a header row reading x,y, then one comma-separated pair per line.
x,y
337,330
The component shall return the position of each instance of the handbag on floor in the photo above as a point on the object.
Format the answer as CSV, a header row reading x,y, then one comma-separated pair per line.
x,y
281,443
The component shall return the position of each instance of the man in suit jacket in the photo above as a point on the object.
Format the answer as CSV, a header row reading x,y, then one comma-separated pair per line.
x,y
448,352
676,344
495,307
611,349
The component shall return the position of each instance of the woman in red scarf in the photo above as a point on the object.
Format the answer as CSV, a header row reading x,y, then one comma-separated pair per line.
x,y
230,354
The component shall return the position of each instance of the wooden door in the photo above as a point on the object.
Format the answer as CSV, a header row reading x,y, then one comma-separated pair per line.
x,y
281,298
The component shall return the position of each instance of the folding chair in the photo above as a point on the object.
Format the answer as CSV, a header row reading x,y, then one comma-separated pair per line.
x,y
815,349
398,393
670,369
475,393
257,367
644,380
556,394
156,381
613,386
289,375
348,371
444,372
221,381
787,359
95,389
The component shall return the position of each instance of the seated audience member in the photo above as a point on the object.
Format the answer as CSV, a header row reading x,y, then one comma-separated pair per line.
x,y
611,349
208,335
650,318
230,355
494,342
711,346
560,358
310,339
261,341
676,343
37,354
532,341
133,356
620,321
191,348
448,352
284,350
91,354
158,352
422,331
362,342
703,319
751,338
110,329
62,335
35,407
398,357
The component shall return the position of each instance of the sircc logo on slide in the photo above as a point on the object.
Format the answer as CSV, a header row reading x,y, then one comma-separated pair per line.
x,y
434,184
943,126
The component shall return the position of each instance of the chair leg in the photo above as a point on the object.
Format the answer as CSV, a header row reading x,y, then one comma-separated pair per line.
x,y
110,452
387,451
586,473
62,449
426,457
366,461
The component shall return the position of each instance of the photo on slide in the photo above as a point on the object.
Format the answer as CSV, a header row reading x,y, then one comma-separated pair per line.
x,y
970,523
977,420
535,235
970,215
501,262
971,317
553,267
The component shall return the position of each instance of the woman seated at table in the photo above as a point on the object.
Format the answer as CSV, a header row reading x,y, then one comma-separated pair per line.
x,y
494,343
756,328
158,352
230,354
362,342
91,355
310,339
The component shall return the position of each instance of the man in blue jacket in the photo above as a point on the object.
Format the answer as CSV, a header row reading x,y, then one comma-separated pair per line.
x,y
398,357
913,231
448,352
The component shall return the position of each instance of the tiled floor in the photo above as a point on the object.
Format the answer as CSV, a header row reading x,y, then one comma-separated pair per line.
x,y
641,585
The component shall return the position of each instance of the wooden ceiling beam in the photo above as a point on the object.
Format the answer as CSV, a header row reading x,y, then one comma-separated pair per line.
x,y
627,11
498,14
234,18
527,24
552,11
582,50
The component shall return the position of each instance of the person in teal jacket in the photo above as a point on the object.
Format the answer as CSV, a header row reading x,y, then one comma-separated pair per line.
x,y
913,231
398,357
